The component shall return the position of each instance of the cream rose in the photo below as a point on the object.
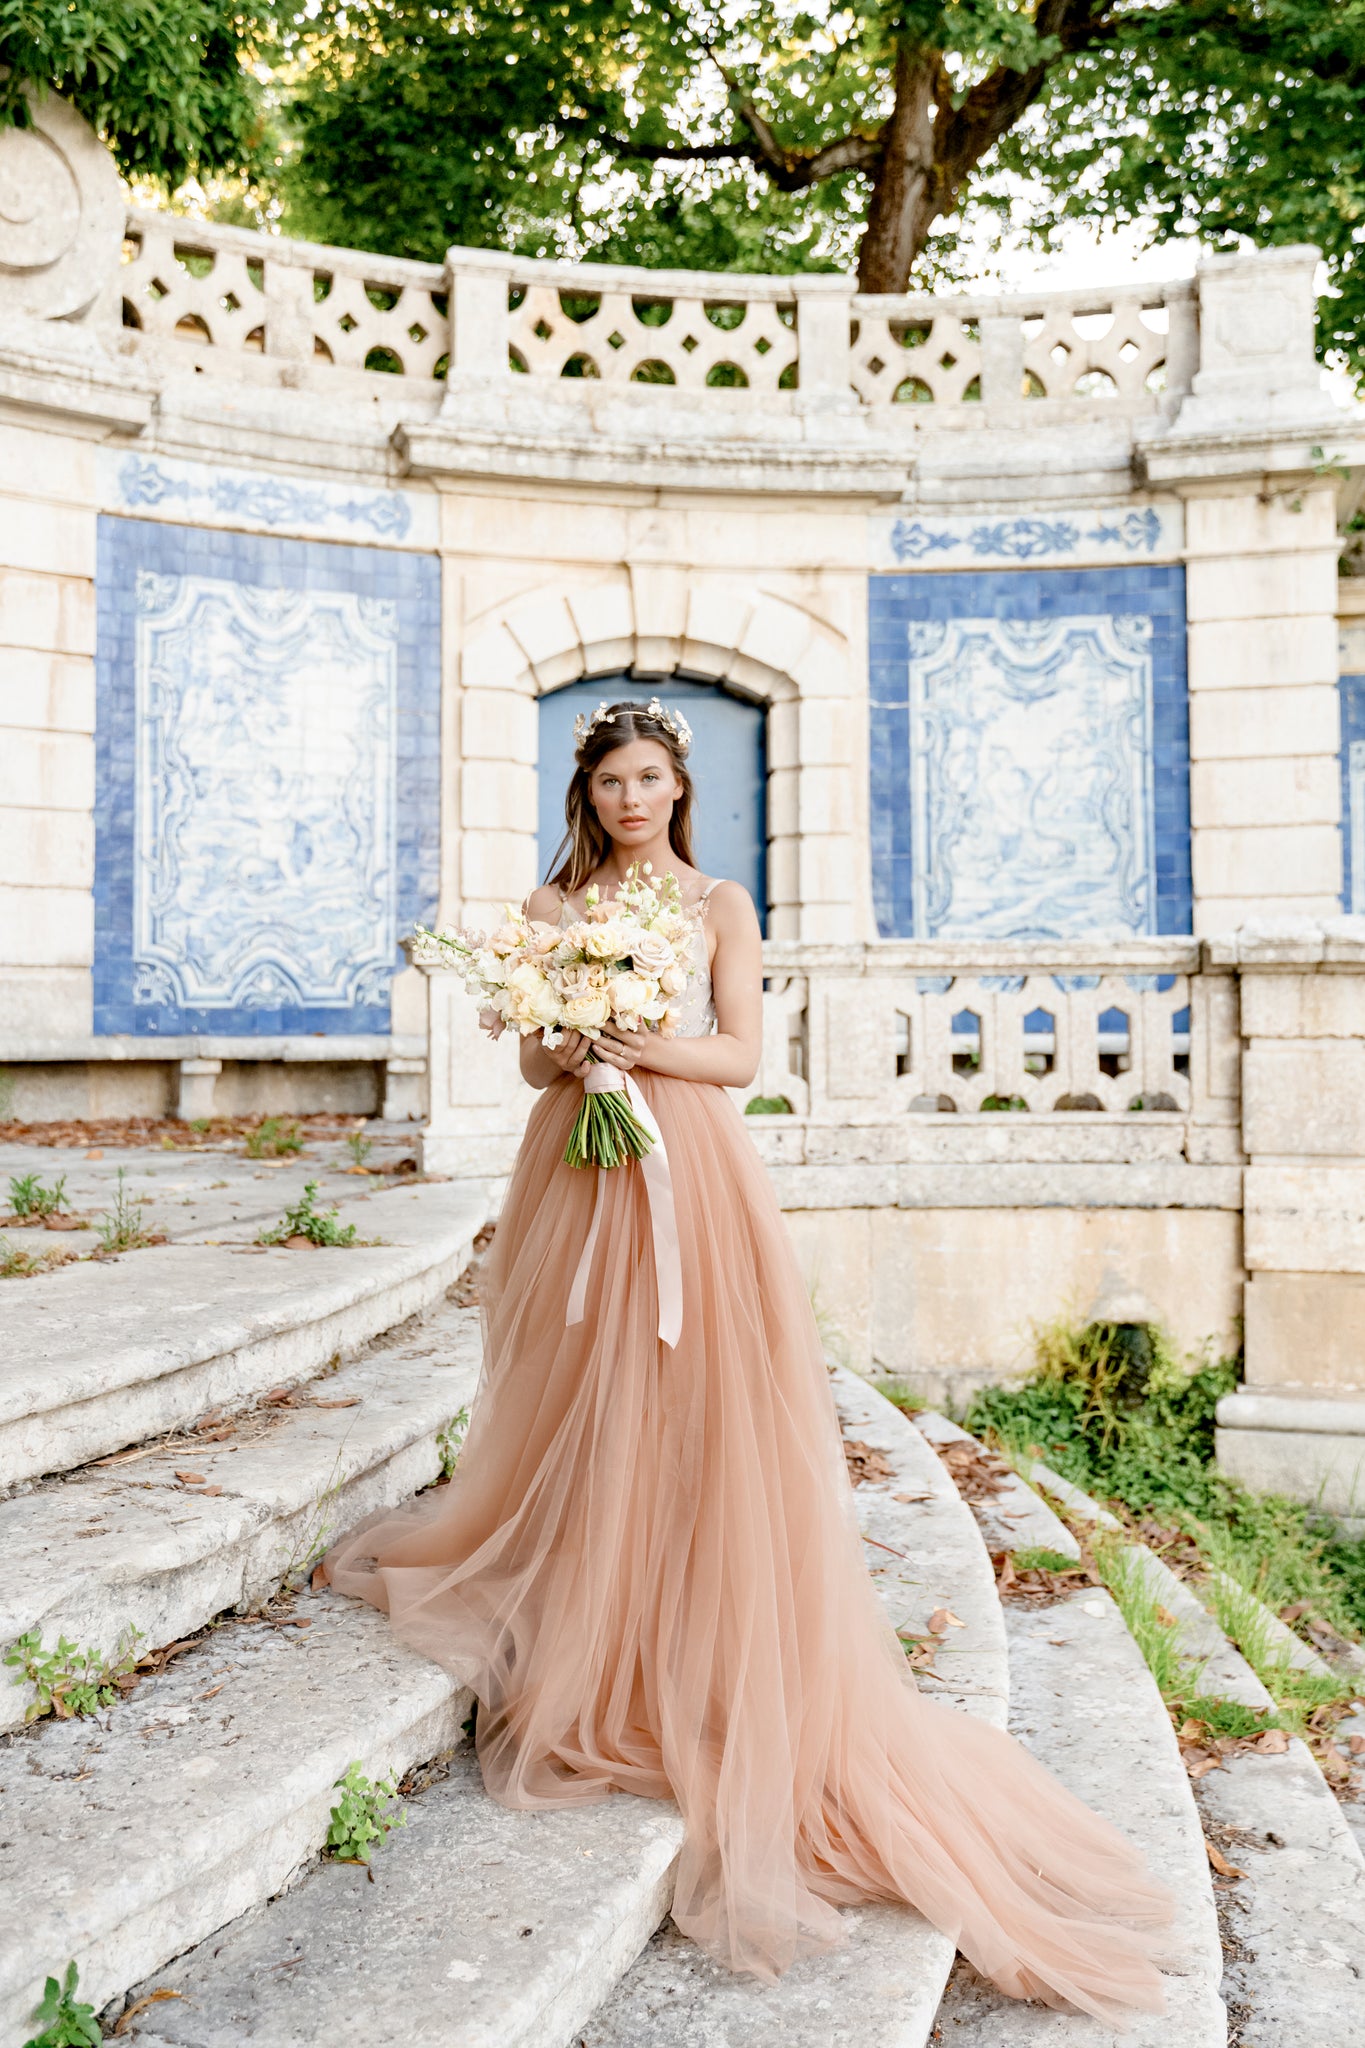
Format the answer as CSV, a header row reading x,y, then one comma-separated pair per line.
x,y
588,1011
673,981
608,942
527,979
545,938
506,939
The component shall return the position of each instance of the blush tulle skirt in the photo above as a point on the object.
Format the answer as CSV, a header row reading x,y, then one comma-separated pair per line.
x,y
648,1569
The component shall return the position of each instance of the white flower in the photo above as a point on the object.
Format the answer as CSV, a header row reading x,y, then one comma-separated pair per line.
x,y
630,993
673,981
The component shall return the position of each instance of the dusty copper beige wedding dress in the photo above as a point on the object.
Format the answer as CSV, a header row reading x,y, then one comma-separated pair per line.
x,y
648,1569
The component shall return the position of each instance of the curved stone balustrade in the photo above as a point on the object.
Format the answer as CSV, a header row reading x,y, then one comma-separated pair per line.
x,y
231,294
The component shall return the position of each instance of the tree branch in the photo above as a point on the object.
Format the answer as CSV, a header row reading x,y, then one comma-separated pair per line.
x,y
963,134
792,171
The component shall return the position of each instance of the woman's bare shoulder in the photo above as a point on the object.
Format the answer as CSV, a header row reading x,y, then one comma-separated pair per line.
x,y
543,903
731,905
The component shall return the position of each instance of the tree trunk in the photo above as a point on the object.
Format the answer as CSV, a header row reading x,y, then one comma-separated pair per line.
x,y
902,208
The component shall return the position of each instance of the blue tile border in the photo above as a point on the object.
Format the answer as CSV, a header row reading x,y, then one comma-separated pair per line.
x,y
1352,689
896,601
411,582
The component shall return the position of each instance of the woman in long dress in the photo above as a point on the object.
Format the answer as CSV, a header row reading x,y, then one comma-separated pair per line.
x,y
647,1566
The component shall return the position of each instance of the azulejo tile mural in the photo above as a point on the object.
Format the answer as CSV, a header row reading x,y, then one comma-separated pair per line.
x,y
1030,753
1353,793
267,810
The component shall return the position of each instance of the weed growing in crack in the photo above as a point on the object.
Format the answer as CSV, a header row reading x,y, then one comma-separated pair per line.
x,y
16,1264
450,1442
28,1198
363,1816
65,2022
69,1681
274,1138
315,1226
359,1147
121,1228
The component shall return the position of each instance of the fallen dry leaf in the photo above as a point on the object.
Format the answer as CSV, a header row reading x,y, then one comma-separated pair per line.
x,y
299,1243
1356,1744
942,1618
352,1402
190,1478
1220,1862
210,1489
279,1397
141,2006
865,1463
906,1499
211,1694
319,1578
95,1153
1198,1765
1165,1617
1274,1742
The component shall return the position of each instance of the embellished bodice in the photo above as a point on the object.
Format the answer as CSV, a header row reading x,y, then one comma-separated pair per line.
x,y
696,1004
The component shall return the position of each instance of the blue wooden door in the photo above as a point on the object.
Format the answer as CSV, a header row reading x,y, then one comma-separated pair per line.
x,y
728,763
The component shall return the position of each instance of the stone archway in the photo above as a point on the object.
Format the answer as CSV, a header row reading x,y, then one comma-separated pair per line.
x,y
655,623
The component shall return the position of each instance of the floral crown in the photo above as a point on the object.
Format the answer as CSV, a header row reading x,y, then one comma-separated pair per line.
x,y
672,722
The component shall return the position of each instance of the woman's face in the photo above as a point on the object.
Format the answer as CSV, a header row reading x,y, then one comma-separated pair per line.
x,y
633,790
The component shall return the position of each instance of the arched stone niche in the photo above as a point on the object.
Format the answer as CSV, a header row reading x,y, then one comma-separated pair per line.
x,y
654,624
61,214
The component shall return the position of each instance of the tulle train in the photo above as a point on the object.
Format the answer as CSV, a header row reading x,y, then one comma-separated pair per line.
x,y
648,1569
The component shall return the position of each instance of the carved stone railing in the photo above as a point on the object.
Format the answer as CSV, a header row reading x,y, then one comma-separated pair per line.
x,y
904,1032
230,294
889,1030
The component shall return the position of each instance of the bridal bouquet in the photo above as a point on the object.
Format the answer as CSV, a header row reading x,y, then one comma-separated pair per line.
x,y
623,962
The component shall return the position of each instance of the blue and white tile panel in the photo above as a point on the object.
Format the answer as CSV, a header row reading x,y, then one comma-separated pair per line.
x,y
1133,532
260,501
1353,771
1030,754
267,779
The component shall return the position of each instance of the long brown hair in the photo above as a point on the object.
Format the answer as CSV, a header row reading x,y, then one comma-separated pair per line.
x,y
585,844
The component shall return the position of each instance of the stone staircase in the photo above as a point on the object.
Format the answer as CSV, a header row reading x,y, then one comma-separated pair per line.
x,y
170,1843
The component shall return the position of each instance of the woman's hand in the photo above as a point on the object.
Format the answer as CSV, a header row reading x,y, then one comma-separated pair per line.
x,y
622,1049
571,1054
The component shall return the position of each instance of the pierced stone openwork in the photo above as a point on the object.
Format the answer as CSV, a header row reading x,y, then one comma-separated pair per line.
x,y
1028,1041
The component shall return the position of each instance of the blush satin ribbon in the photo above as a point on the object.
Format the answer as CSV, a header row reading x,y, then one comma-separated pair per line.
x,y
663,1220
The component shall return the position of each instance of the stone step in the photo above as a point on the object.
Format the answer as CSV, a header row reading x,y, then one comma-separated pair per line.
x,y
483,1929
1298,1911
882,1988
184,1329
132,1836
130,1546
1083,1701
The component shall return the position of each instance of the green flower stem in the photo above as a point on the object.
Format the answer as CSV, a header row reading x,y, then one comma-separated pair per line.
x,y
606,1132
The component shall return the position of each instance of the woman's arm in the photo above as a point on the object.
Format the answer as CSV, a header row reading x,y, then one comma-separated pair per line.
x,y
729,1057
538,1066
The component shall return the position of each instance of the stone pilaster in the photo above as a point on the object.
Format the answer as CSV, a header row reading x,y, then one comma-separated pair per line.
x,y
1297,1425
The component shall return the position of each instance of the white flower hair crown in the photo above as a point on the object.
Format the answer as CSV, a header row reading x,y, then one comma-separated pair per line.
x,y
672,722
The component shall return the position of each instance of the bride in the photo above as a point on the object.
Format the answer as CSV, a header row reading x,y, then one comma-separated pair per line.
x,y
648,1566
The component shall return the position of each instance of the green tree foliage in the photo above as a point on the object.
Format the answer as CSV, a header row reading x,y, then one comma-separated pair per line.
x,y
773,134
164,81
1221,121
